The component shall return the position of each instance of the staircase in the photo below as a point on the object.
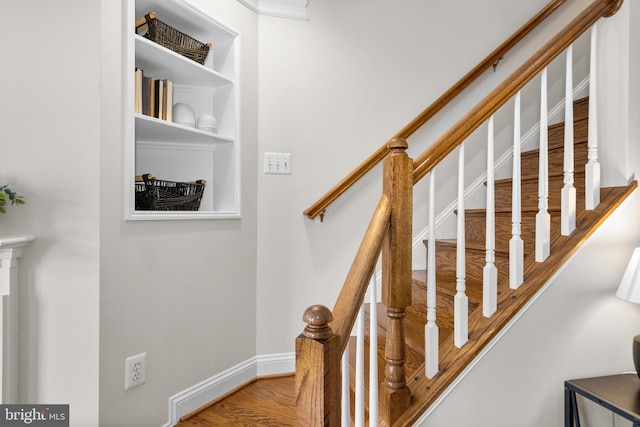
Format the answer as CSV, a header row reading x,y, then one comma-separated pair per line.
x,y
405,392
482,329
278,392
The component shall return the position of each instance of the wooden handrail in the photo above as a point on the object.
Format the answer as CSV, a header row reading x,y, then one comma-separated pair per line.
x,y
355,285
426,161
320,206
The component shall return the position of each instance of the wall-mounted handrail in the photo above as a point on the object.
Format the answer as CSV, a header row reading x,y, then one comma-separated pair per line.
x,y
490,61
453,137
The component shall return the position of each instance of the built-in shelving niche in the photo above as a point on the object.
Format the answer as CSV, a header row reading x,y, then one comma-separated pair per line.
x,y
172,151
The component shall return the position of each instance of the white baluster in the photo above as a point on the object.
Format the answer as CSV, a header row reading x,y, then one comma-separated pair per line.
x,y
543,219
460,302
346,392
568,207
431,330
490,272
359,402
592,172
373,353
516,246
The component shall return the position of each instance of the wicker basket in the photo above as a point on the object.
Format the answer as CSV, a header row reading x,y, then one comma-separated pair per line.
x,y
159,195
157,31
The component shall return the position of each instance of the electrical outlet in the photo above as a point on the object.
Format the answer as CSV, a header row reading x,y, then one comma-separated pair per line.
x,y
135,370
277,163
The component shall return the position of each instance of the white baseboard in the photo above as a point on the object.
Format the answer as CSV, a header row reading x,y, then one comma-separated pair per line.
x,y
274,364
198,395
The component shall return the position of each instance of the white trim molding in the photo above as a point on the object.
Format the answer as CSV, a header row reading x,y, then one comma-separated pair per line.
x,y
290,9
11,248
198,395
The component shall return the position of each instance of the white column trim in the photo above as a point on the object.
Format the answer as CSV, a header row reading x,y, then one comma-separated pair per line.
x,y
10,250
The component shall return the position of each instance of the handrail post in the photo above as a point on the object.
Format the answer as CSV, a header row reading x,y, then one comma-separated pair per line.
x,y
396,277
318,371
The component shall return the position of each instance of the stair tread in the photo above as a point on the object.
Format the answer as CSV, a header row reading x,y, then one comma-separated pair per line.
x,y
266,401
507,211
552,175
446,285
469,246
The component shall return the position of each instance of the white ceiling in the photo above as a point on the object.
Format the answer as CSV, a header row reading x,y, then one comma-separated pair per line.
x,y
291,9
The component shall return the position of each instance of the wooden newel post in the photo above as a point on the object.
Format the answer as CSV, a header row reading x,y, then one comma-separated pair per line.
x,y
395,396
318,383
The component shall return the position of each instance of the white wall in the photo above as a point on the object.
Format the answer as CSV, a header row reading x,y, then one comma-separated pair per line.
x,y
332,90
50,142
182,291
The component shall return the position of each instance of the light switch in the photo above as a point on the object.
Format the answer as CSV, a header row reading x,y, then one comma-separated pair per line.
x,y
277,163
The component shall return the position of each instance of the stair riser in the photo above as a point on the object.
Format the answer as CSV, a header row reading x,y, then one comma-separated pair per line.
x,y
529,192
444,308
580,132
529,163
475,229
581,108
475,261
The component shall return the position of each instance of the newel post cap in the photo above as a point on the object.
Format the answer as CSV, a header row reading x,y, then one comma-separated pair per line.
x,y
317,318
397,144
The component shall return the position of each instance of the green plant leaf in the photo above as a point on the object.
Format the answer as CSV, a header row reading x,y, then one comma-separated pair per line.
x,y
12,196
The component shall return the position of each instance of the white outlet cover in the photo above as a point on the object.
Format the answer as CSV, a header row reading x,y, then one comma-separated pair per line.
x,y
135,370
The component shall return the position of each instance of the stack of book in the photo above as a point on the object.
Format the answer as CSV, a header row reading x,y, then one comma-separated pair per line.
x,y
152,97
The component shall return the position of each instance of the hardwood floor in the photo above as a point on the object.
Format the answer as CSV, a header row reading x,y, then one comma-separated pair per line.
x,y
264,402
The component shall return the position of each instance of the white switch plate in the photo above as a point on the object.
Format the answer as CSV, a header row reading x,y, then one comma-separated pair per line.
x,y
277,163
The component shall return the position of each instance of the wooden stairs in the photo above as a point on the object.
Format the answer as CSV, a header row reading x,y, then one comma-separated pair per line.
x,y
271,401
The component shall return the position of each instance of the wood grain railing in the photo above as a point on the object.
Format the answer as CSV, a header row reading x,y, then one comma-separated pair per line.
x,y
320,206
319,348
444,145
